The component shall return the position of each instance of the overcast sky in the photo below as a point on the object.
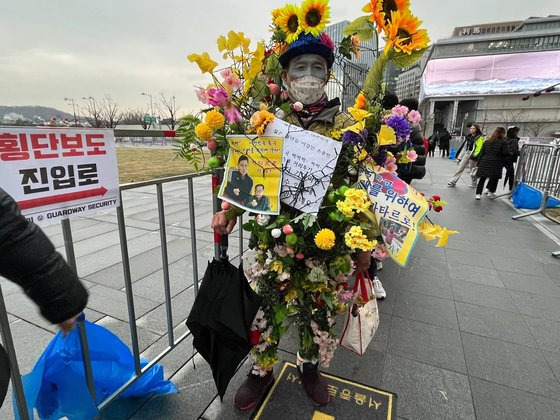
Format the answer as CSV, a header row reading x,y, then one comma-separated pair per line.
x,y
54,49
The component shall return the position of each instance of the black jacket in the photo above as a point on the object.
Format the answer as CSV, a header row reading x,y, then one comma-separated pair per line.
x,y
417,170
513,147
243,184
28,258
444,139
492,157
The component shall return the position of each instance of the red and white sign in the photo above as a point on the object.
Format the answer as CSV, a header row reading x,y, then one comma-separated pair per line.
x,y
57,174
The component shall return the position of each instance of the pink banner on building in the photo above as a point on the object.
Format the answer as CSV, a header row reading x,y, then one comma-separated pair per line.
x,y
491,74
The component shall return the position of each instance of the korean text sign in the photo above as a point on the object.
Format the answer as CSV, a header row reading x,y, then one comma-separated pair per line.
x,y
253,174
308,164
398,208
56,174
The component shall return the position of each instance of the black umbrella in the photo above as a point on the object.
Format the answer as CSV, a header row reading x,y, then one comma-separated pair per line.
x,y
221,318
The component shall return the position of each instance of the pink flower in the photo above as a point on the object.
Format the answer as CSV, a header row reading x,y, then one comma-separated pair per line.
x,y
226,73
298,106
274,89
326,40
380,253
414,117
202,95
411,155
218,97
232,115
233,83
400,110
300,256
391,164
287,229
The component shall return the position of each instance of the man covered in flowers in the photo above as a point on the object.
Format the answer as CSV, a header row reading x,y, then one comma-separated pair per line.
x,y
294,285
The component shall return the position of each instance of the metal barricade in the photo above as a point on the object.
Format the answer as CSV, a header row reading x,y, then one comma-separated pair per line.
x,y
539,167
121,220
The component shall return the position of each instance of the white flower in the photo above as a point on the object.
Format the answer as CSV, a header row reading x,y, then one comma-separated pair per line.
x,y
263,219
276,233
352,170
280,114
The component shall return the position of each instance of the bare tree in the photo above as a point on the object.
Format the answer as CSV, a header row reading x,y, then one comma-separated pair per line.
x,y
512,117
110,113
536,128
168,108
93,114
136,117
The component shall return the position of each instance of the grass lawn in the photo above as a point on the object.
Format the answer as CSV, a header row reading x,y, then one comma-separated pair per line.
x,y
141,164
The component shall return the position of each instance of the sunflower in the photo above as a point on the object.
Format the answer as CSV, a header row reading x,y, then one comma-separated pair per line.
x,y
314,16
381,10
403,34
287,20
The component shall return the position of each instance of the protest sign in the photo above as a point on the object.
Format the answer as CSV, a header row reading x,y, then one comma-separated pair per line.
x,y
398,209
308,164
253,174
57,174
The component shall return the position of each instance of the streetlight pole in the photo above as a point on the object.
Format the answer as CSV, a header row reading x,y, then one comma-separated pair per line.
x,y
151,105
73,109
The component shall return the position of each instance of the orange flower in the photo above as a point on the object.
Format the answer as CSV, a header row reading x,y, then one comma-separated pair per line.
x,y
403,33
260,119
361,101
381,10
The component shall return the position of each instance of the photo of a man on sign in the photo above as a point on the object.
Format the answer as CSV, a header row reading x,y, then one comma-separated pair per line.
x,y
239,183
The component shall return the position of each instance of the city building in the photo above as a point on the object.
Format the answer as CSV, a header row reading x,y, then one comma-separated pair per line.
x,y
484,73
407,83
348,75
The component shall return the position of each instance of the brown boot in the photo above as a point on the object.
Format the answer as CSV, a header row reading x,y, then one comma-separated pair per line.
x,y
251,390
314,384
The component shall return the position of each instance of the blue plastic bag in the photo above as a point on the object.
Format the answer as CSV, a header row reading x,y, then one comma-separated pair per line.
x,y
452,153
527,197
56,386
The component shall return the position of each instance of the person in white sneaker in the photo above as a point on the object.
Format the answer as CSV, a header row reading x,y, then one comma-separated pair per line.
x,y
378,289
466,161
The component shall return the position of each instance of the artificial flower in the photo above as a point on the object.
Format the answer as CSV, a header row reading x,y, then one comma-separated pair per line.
x,y
391,163
356,46
326,40
403,33
345,208
217,97
233,41
355,239
287,229
202,95
205,63
381,10
386,136
399,110
361,101
276,233
335,134
400,125
260,119
325,239
414,117
411,155
203,131
350,137
214,119
356,128
288,21
359,114
298,106
232,115
314,15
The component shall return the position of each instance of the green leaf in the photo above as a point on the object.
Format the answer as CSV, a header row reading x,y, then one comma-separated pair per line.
x,y
403,60
361,27
273,67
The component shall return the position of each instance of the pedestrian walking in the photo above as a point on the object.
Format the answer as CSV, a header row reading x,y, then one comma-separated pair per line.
x,y
491,162
433,140
444,139
512,141
474,137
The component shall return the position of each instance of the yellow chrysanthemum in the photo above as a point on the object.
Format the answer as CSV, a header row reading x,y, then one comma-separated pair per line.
x,y
260,119
287,20
344,208
205,63
361,101
214,119
381,10
355,239
403,33
325,239
203,131
314,15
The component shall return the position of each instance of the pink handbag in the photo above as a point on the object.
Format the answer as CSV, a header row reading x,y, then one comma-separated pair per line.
x,y
361,322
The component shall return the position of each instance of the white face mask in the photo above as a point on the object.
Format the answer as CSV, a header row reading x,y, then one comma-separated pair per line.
x,y
307,89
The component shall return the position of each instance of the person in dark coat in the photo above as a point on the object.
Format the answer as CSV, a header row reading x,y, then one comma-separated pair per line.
x,y
418,169
444,139
512,141
240,183
432,143
491,162
28,258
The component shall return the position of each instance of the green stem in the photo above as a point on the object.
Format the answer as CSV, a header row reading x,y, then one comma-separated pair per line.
x,y
374,78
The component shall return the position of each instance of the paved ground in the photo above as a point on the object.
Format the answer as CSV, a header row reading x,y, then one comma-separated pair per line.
x,y
470,331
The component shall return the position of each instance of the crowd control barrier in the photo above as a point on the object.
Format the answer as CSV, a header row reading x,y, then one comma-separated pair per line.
x,y
539,167
173,341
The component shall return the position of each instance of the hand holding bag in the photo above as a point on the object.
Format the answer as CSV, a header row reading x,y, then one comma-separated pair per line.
x,y
361,322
